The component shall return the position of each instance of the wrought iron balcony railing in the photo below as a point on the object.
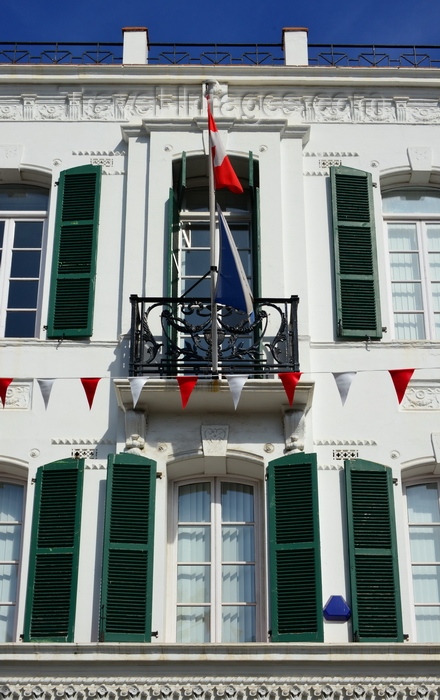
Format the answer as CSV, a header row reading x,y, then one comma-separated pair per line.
x,y
171,336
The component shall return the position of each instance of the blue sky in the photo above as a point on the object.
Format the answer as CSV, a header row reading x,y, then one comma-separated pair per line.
x,y
260,21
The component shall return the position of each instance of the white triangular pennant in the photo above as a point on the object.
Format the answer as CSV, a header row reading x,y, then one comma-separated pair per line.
x,y
45,388
136,386
236,383
343,382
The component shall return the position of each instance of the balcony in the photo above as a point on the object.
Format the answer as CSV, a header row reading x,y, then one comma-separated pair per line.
x,y
171,336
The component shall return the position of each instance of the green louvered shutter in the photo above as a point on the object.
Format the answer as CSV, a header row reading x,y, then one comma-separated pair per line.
x,y
354,238
374,575
127,577
74,257
294,553
53,565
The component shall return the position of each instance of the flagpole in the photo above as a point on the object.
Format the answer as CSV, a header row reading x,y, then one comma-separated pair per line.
x,y
213,249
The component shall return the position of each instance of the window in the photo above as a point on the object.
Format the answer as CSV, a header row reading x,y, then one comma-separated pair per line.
x,y
11,520
413,227
424,536
22,222
189,225
217,572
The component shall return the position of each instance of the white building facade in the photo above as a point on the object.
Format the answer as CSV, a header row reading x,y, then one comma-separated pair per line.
x,y
245,544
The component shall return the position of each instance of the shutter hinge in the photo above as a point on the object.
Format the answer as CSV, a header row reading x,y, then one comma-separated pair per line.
x,y
33,481
21,637
155,634
57,183
269,633
374,184
406,637
340,327
159,475
266,476
396,482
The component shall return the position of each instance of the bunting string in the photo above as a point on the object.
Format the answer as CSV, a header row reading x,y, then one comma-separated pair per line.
x,y
344,380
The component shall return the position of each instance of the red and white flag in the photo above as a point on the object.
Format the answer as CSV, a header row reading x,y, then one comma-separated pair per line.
x,y
224,174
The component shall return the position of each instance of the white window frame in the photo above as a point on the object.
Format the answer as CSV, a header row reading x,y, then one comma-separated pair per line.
x,y
417,481
6,479
420,220
260,559
10,217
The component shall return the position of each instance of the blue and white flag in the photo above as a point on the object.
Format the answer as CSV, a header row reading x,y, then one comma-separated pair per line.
x,y
232,284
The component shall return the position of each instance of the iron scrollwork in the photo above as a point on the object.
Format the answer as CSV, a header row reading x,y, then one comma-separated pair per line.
x,y
174,335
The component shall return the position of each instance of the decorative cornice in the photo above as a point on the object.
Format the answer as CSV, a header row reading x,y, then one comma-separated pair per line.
x,y
214,689
176,107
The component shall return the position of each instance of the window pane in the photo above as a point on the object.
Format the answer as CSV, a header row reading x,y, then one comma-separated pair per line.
x,y
23,198
238,583
193,625
409,326
11,502
428,624
7,615
433,235
237,503
10,539
238,624
411,202
196,237
238,543
425,543
435,288
195,262
437,326
402,237
8,582
195,503
201,290
23,294
194,544
2,231
407,296
25,263
404,266
426,584
434,266
28,234
423,503
193,584
20,324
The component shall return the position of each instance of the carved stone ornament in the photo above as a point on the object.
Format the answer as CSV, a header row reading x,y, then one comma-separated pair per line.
x,y
421,396
185,102
244,689
215,440
135,431
294,430
18,396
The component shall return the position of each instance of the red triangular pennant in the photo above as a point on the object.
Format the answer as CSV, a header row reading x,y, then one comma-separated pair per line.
x,y
290,380
186,385
400,379
4,383
90,385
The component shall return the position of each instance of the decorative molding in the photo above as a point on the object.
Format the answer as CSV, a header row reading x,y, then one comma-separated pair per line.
x,y
329,162
80,441
331,441
83,453
176,103
215,440
345,454
421,396
207,689
330,468
331,154
18,396
98,153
